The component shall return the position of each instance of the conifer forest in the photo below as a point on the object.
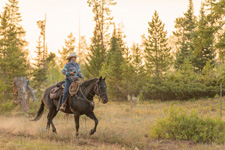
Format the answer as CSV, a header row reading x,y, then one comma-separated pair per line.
x,y
178,77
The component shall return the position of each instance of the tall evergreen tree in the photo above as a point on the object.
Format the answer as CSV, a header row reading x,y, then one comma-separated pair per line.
x,y
138,67
113,69
4,63
98,48
102,18
13,52
82,51
185,33
121,36
67,49
40,72
95,59
221,47
54,72
218,12
157,53
128,74
202,43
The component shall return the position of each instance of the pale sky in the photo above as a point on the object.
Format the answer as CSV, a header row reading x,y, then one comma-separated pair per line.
x,y
63,18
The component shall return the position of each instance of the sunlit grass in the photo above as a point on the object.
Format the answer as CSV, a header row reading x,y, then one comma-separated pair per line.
x,y
120,124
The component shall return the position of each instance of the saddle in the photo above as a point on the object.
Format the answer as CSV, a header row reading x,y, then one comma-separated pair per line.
x,y
58,91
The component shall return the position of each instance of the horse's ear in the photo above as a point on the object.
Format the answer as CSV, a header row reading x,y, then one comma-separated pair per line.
x,y
100,78
97,81
104,78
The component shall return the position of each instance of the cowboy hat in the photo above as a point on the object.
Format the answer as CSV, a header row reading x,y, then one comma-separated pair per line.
x,y
72,55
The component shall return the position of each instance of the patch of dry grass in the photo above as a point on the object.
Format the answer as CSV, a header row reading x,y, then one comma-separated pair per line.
x,y
121,126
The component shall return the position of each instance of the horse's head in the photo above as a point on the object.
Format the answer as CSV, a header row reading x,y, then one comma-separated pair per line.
x,y
101,90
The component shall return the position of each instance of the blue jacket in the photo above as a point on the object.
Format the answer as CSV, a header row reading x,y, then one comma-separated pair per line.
x,y
72,66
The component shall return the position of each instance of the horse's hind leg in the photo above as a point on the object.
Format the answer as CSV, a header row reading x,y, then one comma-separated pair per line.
x,y
48,121
51,114
93,117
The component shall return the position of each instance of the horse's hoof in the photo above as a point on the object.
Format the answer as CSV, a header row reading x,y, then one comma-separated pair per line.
x,y
92,132
77,135
54,131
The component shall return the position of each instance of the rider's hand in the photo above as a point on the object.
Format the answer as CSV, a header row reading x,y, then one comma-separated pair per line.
x,y
72,73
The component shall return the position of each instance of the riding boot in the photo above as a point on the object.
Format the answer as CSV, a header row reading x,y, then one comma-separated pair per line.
x,y
63,107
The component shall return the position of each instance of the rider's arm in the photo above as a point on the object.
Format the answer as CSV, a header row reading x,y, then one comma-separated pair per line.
x,y
79,71
65,70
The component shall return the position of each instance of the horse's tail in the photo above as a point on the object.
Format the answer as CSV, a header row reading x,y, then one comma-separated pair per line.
x,y
40,112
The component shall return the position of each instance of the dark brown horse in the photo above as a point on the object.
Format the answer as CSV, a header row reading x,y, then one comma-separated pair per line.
x,y
79,104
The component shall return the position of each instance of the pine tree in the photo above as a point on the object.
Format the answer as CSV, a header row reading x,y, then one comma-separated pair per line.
x,y
182,52
54,72
185,33
221,47
202,43
217,9
128,74
82,51
40,72
66,50
98,48
95,59
157,53
13,52
113,69
138,67
208,72
121,36
4,63
102,19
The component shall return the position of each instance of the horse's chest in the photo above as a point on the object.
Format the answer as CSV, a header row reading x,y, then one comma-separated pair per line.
x,y
82,108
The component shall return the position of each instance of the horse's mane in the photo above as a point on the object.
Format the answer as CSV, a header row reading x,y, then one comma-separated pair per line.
x,y
87,82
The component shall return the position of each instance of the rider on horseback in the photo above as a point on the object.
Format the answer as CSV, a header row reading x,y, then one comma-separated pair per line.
x,y
72,72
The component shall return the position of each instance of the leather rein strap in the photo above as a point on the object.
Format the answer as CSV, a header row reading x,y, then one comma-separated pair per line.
x,y
96,90
87,100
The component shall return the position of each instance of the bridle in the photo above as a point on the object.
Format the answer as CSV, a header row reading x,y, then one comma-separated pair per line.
x,y
96,90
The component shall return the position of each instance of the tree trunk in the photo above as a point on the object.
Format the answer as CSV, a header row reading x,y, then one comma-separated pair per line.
x,y
21,92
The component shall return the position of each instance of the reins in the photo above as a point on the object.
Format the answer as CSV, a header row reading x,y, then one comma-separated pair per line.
x,y
96,91
87,100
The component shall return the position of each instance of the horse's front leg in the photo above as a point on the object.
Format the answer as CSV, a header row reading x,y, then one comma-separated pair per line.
x,y
77,118
93,117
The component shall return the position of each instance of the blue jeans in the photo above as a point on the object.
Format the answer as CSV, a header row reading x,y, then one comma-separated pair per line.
x,y
66,90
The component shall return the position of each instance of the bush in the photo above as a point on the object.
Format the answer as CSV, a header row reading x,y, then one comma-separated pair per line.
x,y
7,106
181,126
174,88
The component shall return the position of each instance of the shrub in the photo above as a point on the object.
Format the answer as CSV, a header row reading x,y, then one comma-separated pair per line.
x,y
7,106
182,126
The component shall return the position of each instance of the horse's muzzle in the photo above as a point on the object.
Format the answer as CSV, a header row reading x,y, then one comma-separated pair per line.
x,y
104,101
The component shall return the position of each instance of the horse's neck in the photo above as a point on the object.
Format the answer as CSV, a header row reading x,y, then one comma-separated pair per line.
x,y
89,91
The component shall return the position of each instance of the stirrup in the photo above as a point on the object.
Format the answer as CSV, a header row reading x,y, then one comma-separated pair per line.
x,y
63,107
